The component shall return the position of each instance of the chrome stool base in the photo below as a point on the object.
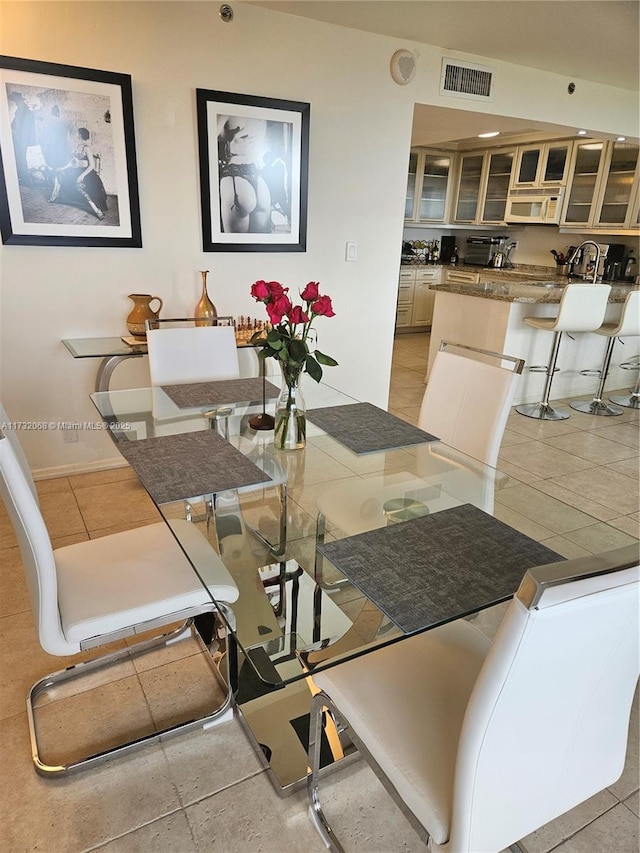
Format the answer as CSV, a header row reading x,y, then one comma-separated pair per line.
x,y
542,411
630,402
596,407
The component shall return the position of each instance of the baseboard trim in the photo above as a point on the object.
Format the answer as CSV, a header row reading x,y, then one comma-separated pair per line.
x,y
79,468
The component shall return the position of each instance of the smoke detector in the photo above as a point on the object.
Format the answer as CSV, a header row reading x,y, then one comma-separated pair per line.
x,y
402,67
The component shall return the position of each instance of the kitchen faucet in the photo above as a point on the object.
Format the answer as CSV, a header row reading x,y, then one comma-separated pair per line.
x,y
596,265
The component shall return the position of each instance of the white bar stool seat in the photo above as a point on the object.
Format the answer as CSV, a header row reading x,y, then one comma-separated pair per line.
x,y
582,309
627,326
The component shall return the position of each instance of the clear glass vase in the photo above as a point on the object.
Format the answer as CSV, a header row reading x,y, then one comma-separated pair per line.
x,y
290,431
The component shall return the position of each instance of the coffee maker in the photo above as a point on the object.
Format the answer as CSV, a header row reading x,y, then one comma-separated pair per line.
x,y
609,265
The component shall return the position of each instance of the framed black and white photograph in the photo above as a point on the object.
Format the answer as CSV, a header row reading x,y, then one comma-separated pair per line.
x,y
254,164
68,173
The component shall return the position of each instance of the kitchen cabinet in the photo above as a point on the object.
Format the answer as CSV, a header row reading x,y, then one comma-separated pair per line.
x,y
428,185
583,182
496,185
483,185
461,277
620,178
415,298
603,186
542,165
469,184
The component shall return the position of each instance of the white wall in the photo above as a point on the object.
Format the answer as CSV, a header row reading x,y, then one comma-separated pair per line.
x,y
360,135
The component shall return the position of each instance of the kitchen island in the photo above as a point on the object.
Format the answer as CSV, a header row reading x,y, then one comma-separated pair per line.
x,y
490,314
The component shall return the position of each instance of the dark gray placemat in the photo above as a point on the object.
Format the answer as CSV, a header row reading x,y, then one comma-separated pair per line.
x,y
175,467
364,428
430,569
216,393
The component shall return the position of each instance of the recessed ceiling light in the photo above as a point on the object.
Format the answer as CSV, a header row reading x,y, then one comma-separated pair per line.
x,y
489,135
621,138
582,133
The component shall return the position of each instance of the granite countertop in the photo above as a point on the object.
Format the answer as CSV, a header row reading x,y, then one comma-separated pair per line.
x,y
523,289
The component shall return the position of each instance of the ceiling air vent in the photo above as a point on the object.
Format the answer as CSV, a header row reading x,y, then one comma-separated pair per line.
x,y
463,80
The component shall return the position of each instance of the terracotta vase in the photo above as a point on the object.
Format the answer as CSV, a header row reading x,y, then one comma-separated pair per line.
x,y
141,312
205,311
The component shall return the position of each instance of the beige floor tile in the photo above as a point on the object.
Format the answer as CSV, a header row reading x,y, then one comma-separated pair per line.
x,y
170,834
628,523
181,690
628,467
112,504
543,509
633,803
608,488
14,595
563,827
249,817
594,448
541,459
90,722
521,522
517,473
7,536
100,478
58,484
625,433
82,810
126,525
584,502
409,414
511,437
565,547
537,430
62,541
61,514
615,832
598,538
204,762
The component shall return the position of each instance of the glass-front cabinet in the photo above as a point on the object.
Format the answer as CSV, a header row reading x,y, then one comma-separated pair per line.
x,y
498,178
583,183
428,185
541,165
603,186
469,185
620,169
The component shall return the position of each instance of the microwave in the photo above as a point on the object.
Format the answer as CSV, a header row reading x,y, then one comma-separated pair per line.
x,y
534,206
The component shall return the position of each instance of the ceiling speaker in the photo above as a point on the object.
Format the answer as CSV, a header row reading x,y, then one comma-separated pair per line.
x,y
403,67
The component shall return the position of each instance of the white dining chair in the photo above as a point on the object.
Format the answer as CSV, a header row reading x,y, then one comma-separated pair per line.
x,y
480,742
181,352
466,405
91,593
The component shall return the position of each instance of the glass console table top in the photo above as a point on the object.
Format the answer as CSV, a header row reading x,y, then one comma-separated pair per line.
x,y
102,347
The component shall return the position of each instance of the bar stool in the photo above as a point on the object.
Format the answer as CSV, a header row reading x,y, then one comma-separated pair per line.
x,y
582,309
627,325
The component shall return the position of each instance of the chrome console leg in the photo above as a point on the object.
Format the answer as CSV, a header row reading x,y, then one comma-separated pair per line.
x,y
543,411
597,406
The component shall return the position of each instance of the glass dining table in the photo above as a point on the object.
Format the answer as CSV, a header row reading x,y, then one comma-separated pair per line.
x,y
334,552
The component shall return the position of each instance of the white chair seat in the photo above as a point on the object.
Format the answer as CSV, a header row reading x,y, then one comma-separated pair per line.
x,y
410,710
108,584
546,323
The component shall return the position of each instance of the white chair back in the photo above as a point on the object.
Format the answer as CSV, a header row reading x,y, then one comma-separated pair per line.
x,y
467,402
547,722
630,319
582,307
192,354
18,451
35,549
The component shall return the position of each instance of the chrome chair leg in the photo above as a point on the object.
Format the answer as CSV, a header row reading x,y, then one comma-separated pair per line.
x,y
543,411
597,406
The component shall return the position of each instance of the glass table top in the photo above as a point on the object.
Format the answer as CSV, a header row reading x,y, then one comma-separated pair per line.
x,y
103,347
296,612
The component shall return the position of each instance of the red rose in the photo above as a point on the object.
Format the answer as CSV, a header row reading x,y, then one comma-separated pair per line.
x,y
277,308
260,291
276,289
323,307
311,291
297,315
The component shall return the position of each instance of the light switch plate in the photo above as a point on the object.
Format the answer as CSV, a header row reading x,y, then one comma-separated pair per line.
x,y
351,252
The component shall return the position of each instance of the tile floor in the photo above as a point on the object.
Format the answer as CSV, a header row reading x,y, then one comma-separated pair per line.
x,y
208,791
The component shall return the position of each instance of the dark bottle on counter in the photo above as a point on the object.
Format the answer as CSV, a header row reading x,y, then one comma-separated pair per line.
x,y
454,257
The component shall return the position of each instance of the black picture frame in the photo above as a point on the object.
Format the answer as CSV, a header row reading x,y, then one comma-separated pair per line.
x,y
49,114
254,169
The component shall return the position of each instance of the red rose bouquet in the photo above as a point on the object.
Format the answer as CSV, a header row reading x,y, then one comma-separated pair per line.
x,y
289,339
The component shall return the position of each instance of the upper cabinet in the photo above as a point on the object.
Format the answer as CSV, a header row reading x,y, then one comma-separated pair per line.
x,y
603,182
541,165
483,185
428,185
